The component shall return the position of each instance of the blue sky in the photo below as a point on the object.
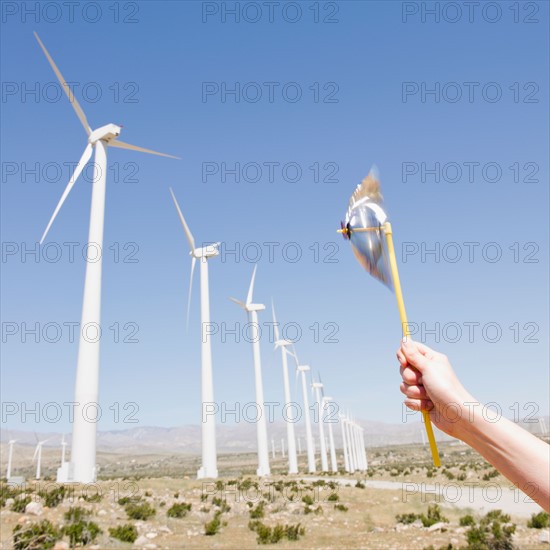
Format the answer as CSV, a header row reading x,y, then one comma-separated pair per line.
x,y
152,76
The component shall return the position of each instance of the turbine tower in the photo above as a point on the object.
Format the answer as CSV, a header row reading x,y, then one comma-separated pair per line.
x,y
291,441
38,457
10,455
82,467
261,425
209,467
302,369
318,388
345,444
333,462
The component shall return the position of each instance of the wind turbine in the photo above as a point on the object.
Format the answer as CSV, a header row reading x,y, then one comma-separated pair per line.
x,y
283,447
63,449
302,369
351,445
283,344
273,447
83,452
209,467
318,388
38,457
333,462
261,425
345,444
10,455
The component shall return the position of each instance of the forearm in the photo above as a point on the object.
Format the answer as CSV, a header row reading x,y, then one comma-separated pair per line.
x,y
518,455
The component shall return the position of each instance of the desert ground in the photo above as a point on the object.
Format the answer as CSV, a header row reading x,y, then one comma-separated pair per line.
x,y
392,505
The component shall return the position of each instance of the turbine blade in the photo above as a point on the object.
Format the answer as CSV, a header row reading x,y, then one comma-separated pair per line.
x,y
124,145
35,453
238,302
275,326
193,262
188,233
251,287
79,167
72,99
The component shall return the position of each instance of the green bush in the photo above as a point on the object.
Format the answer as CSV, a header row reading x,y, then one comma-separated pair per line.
x,y
96,497
406,519
272,535
213,527
539,521
125,533
178,510
75,514
493,533
333,497
127,500
20,504
258,512
467,520
221,504
53,498
137,510
434,516
307,500
36,536
82,532
341,507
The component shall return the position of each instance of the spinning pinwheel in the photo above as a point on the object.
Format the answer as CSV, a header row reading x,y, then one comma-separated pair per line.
x,y
365,226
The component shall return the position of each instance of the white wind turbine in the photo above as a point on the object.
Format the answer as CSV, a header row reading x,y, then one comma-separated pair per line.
x,y
38,457
318,388
301,370
345,443
351,444
209,467
261,425
11,442
63,449
291,445
83,452
333,462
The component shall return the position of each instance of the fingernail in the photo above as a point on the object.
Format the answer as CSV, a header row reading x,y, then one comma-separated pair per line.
x,y
405,340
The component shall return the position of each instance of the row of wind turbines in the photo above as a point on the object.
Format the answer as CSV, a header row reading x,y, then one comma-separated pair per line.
x,y
82,465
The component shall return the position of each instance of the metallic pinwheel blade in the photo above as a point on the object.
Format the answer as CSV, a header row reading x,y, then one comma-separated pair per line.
x,y
363,226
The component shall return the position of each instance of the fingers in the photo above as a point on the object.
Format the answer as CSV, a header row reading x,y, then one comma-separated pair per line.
x,y
415,354
413,391
419,404
410,376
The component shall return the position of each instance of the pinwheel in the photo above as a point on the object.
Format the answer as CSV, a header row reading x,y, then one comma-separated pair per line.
x,y
367,228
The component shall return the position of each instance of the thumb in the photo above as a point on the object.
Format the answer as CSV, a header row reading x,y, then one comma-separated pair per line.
x,y
413,355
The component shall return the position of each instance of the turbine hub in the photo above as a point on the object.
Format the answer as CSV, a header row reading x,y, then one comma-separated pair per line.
x,y
106,133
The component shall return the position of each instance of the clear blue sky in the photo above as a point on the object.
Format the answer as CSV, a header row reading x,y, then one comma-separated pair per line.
x,y
360,62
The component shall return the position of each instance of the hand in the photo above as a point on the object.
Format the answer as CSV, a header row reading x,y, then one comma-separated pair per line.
x,y
429,383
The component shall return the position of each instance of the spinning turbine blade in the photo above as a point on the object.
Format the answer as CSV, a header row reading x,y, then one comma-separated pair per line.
x,y
193,262
251,287
188,233
124,145
72,99
275,326
238,302
77,171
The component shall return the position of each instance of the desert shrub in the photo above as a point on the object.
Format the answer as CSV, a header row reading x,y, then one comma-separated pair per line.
x,y
406,519
433,516
220,486
53,498
490,475
75,514
319,483
359,484
272,535
20,504
127,500
247,484
539,521
494,532
148,494
467,520
36,536
333,497
125,533
138,510
259,511
341,507
81,532
178,510
221,504
96,497
308,500
213,527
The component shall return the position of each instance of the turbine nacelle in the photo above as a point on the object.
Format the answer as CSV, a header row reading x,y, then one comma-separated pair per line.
x,y
106,133
208,251
282,343
303,368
